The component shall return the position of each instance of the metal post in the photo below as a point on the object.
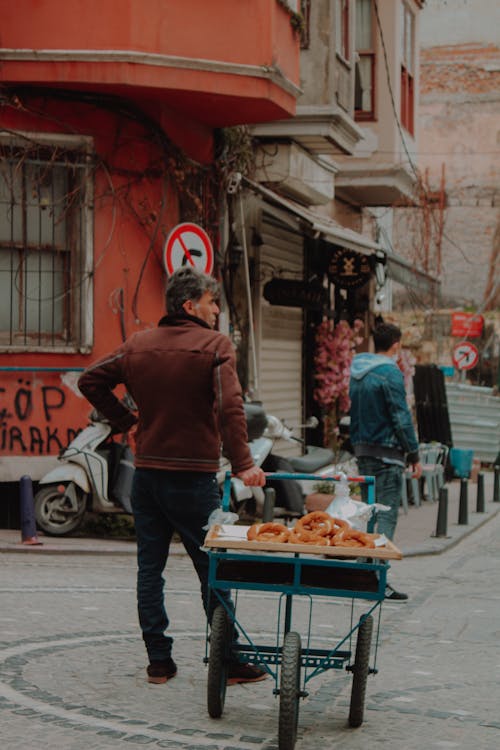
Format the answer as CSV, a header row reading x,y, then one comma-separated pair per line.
x,y
27,511
480,493
496,485
463,515
269,502
442,516
248,289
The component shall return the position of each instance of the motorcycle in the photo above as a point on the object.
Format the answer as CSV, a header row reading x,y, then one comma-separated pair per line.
x,y
95,474
288,496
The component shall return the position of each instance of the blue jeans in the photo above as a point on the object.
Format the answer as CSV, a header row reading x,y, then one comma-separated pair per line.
x,y
164,501
388,487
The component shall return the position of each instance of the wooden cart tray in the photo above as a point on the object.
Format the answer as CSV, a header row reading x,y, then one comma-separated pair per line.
x,y
218,537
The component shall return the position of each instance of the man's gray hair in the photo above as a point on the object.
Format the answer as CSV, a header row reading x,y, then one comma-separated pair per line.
x,y
188,284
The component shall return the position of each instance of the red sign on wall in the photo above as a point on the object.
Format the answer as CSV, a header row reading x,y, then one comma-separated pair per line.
x,y
188,244
467,325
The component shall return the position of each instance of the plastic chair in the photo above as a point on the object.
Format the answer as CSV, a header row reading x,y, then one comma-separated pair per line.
x,y
414,487
433,457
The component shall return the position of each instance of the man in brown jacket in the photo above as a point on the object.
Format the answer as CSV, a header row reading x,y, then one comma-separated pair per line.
x,y
182,376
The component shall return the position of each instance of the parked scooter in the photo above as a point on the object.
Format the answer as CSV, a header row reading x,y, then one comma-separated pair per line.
x,y
263,432
95,475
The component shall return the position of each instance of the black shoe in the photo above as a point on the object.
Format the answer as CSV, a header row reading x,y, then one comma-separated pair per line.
x,y
393,595
239,672
161,671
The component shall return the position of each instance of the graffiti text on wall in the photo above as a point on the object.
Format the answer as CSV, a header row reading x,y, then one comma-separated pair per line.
x,y
34,418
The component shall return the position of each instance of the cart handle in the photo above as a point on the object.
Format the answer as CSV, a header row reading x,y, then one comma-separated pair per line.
x,y
368,480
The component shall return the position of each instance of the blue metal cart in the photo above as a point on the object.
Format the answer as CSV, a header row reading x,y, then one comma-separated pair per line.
x,y
288,661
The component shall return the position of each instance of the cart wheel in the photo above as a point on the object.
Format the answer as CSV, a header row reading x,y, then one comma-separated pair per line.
x,y
360,672
289,691
220,643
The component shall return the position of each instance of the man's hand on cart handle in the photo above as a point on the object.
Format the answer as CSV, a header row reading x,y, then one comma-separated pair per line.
x,y
253,477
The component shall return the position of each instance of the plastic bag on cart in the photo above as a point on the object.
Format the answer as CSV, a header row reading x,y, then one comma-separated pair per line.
x,y
219,517
343,506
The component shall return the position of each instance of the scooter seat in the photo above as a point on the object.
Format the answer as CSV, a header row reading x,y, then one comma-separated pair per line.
x,y
314,459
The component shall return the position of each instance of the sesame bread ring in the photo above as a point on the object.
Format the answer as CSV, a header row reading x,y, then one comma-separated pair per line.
x,y
318,521
303,536
268,532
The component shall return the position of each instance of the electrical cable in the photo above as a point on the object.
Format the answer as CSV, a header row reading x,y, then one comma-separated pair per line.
x,y
398,124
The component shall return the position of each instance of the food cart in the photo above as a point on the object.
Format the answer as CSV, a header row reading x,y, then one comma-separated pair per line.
x,y
291,570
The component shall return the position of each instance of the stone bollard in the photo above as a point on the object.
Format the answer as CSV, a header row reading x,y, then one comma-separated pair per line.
x,y
463,511
27,511
480,493
442,516
496,485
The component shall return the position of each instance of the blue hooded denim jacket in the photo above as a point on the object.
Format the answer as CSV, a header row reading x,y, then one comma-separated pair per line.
x,y
381,422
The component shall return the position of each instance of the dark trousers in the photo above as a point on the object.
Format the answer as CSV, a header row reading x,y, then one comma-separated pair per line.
x,y
388,487
164,501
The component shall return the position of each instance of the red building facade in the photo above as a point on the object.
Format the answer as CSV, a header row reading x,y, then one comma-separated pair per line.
x,y
110,131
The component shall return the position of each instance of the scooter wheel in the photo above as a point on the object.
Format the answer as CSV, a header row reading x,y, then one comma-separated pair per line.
x,y
54,514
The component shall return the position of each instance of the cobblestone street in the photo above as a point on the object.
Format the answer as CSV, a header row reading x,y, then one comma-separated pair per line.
x,y
72,664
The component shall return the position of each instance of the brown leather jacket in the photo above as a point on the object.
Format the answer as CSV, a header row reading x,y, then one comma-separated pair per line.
x,y
182,376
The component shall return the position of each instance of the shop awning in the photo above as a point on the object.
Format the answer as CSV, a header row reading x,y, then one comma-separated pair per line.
x,y
398,268
401,270
329,229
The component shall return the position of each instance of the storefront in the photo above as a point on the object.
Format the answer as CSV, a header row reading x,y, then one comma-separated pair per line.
x,y
304,267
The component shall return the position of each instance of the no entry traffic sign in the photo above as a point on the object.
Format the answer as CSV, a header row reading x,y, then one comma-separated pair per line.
x,y
465,356
188,245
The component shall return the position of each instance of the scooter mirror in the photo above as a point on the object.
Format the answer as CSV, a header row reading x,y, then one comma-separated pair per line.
x,y
312,422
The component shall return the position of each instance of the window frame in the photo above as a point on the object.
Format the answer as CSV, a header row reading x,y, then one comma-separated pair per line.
x,y
343,30
363,115
407,78
79,310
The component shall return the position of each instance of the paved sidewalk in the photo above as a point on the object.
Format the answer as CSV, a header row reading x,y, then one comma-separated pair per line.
x,y
415,534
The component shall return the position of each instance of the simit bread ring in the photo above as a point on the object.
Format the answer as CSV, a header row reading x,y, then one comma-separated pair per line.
x,y
318,521
268,532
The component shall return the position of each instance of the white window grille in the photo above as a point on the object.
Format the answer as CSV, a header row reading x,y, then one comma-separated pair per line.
x,y
45,242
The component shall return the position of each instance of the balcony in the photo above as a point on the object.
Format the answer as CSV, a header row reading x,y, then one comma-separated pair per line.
x,y
296,175
364,182
220,62
319,129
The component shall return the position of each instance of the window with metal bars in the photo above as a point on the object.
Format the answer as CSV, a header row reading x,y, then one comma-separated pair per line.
x,y
45,244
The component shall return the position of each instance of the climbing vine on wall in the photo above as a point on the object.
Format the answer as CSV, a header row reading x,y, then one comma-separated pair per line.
x,y
138,156
296,19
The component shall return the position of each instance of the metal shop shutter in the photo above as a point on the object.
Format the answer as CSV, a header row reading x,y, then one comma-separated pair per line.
x,y
281,334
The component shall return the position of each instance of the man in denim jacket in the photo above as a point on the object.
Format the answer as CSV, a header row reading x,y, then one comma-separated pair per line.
x,y
382,432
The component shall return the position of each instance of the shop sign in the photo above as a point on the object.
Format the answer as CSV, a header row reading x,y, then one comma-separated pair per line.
x,y
291,293
466,325
349,269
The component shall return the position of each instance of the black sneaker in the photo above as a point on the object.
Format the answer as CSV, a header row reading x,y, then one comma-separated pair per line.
x,y
239,672
393,595
161,671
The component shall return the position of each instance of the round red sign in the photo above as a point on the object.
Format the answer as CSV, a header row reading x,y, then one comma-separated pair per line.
x,y
188,244
465,356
